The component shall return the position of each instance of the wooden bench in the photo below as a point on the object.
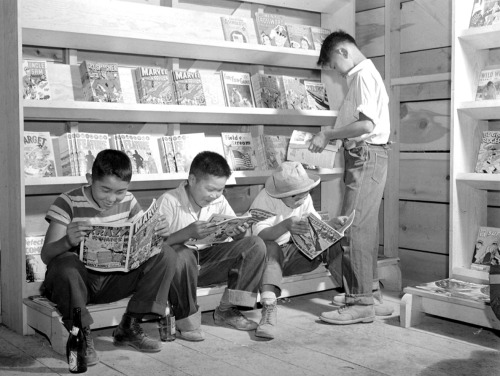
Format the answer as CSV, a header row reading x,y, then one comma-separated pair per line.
x,y
47,320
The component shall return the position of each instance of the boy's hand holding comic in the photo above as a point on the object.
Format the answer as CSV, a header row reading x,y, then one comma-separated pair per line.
x,y
162,227
338,221
200,229
297,225
76,232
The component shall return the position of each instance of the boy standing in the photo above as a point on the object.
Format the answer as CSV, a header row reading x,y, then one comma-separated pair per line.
x,y
69,284
286,194
239,262
363,124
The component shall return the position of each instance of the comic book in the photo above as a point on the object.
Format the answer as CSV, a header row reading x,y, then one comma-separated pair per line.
x,y
35,268
275,148
212,88
271,29
295,94
239,150
154,85
88,145
300,36
121,247
186,147
268,90
320,237
319,35
35,80
39,158
316,95
485,13
298,150
488,86
486,250
188,88
488,157
224,227
66,155
456,288
100,82
143,151
235,29
237,89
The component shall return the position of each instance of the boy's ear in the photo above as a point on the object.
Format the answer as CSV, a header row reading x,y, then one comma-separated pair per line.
x,y
343,52
89,178
191,180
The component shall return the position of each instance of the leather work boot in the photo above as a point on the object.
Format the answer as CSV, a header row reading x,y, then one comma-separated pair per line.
x,y
130,333
349,314
195,335
90,354
269,320
234,318
381,309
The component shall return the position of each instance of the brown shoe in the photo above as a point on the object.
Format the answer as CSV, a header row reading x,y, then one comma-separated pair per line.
x,y
349,314
90,354
130,333
269,321
234,318
381,309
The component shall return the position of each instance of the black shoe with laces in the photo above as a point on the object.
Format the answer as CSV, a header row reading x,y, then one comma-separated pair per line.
x,y
130,333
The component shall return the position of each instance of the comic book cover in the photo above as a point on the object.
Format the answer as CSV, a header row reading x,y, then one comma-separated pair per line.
x,y
235,29
275,148
488,86
39,158
35,80
88,145
100,82
268,90
168,156
212,89
486,250
66,155
488,157
186,147
316,95
320,237
143,151
300,36
271,29
188,88
298,150
35,268
238,89
154,85
485,13
295,94
319,35
113,247
239,150
456,288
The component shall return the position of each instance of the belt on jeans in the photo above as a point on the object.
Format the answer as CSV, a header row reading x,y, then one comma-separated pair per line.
x,y
351,144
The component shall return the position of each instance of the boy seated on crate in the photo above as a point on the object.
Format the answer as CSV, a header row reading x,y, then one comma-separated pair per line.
x,y
286,194
69,284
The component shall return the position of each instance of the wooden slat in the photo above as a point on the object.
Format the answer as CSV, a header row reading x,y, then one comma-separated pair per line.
x,y
421,79
479,181
419,267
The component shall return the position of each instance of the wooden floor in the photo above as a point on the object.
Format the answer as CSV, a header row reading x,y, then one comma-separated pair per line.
x,y
305,346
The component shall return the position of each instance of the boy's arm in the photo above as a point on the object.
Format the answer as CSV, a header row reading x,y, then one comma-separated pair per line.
x,y
294,225
196,230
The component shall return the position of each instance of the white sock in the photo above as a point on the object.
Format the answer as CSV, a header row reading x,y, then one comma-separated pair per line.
x,y
268,297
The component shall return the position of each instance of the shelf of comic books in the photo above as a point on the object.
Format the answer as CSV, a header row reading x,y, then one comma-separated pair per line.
x,y
481,38
481,110
480,180
154,113
321,6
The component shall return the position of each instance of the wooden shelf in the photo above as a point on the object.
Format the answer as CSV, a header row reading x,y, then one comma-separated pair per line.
x,y
481,38
421,79
481,110
470,275
153,113
480,181
321,6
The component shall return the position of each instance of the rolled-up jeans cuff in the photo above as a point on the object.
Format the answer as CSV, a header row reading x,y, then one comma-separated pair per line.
x,y
189,323
359,299
241,298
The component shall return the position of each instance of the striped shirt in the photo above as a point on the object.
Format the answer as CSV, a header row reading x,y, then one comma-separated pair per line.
x,y
75,206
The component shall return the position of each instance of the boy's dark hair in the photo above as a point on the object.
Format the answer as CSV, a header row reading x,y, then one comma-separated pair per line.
x,y
112,162
330,44
209,163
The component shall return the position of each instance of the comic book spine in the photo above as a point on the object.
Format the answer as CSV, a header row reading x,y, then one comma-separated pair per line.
x,y
39,159
163,155
36,84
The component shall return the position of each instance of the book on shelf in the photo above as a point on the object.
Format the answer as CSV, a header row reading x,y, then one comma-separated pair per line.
x,y
224,227
319,35
486,250
275,148
295,93
36,84
154,85
316,94
39,158
238,89
142,149
42,300
235,29
239,150
271,29
320,236
186,147
488,156
88,145
35,268
121,247
488,86
268,90
212,88
167,154
485,13
300,36
298,150
188,88
66,154
101,82
456,288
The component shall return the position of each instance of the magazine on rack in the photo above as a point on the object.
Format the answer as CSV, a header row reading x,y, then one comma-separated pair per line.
x,y
458,289
224,227
121,247
320,236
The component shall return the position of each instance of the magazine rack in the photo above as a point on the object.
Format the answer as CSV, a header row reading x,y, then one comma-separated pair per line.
x,y
468,190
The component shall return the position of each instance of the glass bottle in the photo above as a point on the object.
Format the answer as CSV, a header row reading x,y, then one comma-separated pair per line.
x,y
166,325
76,347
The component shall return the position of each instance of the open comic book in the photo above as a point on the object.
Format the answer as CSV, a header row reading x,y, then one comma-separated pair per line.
x,y
458,289
320,237
226,226
121,247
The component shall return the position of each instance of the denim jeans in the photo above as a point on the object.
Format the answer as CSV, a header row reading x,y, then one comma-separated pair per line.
x,y
365,175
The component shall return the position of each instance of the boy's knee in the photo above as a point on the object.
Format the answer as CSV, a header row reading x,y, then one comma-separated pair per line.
x,y
186,260
273,251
